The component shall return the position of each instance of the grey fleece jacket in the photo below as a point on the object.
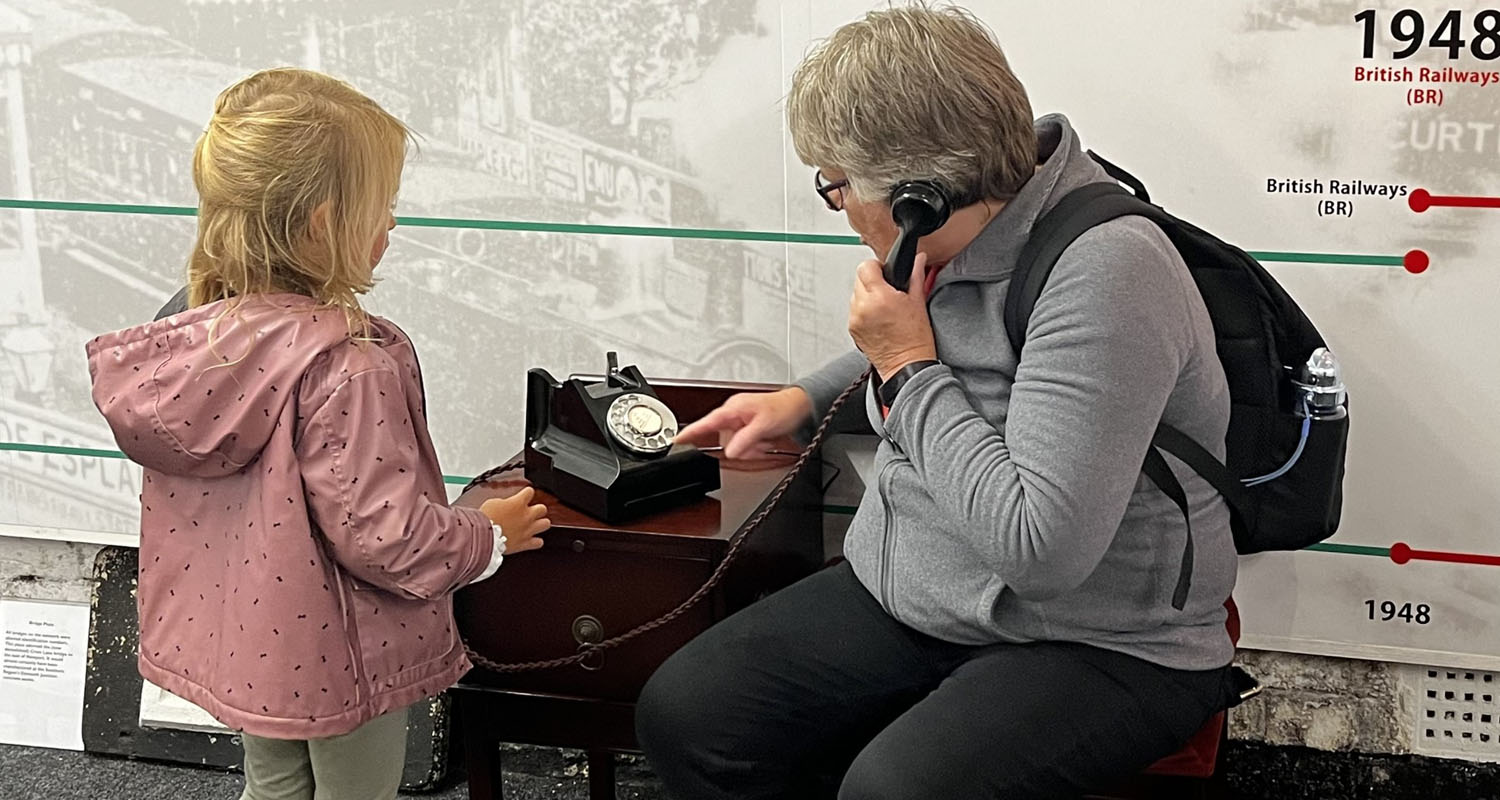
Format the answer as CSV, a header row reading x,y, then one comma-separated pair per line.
x,y
1009,504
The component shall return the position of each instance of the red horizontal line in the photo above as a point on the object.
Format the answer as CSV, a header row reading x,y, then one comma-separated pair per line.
x,y
1401,553
1421,200
1458,201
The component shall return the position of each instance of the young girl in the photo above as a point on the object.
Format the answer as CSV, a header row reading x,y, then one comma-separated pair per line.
x,y
298,554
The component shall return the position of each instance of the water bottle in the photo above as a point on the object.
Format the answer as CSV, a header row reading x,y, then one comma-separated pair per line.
x,y
1320,387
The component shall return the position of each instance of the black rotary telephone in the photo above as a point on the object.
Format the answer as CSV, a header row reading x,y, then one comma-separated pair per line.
x,y
605,448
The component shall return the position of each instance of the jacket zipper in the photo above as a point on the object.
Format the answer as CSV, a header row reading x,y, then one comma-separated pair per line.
x,y
888,541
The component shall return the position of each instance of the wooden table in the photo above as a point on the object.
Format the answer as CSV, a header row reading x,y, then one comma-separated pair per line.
x,y
594,580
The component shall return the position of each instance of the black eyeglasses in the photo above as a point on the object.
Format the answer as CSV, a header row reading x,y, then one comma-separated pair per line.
x,y
825,190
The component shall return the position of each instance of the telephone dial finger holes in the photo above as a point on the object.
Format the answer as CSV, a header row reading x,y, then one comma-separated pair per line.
x,y
642,423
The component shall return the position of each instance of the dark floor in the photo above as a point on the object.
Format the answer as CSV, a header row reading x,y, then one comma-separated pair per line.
x,y
33,774
1250,772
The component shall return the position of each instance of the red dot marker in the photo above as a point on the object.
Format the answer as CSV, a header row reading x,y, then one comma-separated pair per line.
x,y
1401,552
1420,200
1416,261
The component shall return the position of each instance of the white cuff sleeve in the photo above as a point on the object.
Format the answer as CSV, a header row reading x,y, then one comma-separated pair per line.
x,y
496,555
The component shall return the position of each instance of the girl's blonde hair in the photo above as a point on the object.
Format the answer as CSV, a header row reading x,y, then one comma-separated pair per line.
x,y
296,174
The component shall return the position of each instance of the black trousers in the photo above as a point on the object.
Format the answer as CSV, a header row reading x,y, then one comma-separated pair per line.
x,y
816,691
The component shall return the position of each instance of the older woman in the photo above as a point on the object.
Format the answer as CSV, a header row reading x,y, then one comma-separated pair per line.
x,y
1004,624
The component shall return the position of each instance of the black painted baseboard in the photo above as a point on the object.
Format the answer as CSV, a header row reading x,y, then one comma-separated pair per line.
x,y
1247,772
1251,771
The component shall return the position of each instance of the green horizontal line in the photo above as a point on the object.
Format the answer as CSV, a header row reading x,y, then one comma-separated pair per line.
x,y
89,452
1351,549
103,208
1329,258
51,449
641,230
479,224
628,230
21,447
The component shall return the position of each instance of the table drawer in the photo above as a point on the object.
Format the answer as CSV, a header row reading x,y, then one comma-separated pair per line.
x,y
541,604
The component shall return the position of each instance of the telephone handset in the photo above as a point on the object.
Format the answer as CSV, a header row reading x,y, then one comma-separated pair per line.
x,y
640,428
918,208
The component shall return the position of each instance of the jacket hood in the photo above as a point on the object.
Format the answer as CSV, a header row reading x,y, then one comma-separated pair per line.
x,y
199,393
1062,166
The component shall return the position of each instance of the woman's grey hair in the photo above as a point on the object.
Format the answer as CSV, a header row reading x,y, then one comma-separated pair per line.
x,y
914,93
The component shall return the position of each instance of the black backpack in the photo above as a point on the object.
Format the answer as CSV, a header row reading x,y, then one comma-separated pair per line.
x,y
176,304
1288,429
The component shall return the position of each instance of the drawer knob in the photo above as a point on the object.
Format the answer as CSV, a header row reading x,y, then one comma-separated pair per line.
x,y
588,630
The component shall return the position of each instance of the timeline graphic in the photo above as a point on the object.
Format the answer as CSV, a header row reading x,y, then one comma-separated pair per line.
x,y
1415,261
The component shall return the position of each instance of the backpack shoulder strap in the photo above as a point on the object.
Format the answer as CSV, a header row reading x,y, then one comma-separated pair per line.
x,y
1081,209
1160,473
1119,174
1207,465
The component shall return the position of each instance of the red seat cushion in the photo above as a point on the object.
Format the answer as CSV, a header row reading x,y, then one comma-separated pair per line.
x,y
1200,756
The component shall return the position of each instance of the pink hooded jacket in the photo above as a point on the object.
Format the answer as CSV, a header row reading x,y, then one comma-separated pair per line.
x,y
298,554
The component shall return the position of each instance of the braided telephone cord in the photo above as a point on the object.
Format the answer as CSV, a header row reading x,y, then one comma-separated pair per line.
x,y
588,650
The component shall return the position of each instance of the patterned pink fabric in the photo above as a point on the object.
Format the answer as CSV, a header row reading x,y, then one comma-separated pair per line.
x,y
298,553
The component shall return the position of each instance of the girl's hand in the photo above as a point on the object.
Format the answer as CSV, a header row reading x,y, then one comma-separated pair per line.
x,y
519,519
